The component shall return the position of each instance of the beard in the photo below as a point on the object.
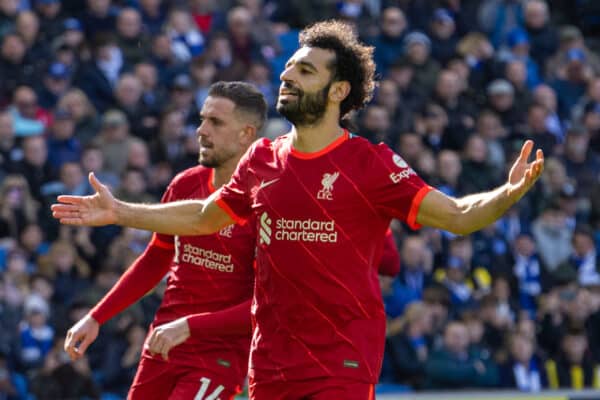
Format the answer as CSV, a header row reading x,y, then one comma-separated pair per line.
x,y
215,159
306,109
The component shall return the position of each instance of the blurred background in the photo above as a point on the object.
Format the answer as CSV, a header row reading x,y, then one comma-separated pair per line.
x,y
115,87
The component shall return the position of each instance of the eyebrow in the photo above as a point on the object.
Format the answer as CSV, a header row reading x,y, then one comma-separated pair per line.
x,y
302,63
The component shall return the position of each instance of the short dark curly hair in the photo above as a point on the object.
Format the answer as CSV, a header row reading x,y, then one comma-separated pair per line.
x,y
353,60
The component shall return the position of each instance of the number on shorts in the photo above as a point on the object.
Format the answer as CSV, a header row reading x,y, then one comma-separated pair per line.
x,y
204,388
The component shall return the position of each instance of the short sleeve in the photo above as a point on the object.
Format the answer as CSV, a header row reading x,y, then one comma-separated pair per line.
x,y
235,197
395,188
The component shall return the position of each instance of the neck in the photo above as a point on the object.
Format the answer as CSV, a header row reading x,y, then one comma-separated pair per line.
x,y
315,137
222,174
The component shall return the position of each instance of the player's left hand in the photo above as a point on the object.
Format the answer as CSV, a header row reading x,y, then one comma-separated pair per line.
x,y
523,173
167,336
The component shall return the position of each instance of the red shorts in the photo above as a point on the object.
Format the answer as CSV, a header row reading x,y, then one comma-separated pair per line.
x,y
157,379
313,389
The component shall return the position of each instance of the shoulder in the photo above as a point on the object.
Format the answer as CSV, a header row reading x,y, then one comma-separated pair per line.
x,y
265,148
190,179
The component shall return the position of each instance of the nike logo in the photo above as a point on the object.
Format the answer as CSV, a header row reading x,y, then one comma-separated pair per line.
x,y
264,184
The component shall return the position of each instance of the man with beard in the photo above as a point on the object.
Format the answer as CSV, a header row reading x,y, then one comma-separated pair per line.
x,y
210,274
323,199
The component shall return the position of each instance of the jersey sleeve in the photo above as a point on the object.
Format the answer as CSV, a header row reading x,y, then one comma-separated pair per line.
x,y
390,259
160,240
144,274
235,197
396,189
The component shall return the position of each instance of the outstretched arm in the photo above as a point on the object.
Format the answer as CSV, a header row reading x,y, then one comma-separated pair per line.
x,y
473,212
185,218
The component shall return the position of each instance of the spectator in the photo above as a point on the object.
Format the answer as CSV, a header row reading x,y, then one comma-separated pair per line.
x,y
186,40
76,102
99,18
499,17
10,153
92,160
518,47
181,98
477,51
572,85
63,146
417,49
501,100
523,370
528,272
585,257
51,20
432,126
389,44
545,95
579,161
15,68
17,207
130,37
153,15
552,236
515,72
128,98
477,174
416,263
152,93
114,139
573,367
375,123
55,84
203,72
98,76
543,36
28,117
453,366
536,129
444,38
35,166
133,186
450,168
36,334
570,38
460,112
409,348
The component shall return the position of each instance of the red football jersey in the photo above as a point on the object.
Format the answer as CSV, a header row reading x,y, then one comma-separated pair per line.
x,y
321,220
209,273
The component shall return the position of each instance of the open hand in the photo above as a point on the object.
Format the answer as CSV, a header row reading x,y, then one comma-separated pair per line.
x,y
524,174
96,210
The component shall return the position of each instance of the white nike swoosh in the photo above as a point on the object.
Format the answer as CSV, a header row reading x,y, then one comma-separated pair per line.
x,y
264,184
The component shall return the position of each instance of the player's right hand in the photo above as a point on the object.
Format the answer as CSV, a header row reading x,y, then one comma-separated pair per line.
x,y
80,336
96,210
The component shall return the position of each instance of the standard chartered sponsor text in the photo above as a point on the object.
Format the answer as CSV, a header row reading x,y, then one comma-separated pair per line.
x,y
306,230
206,258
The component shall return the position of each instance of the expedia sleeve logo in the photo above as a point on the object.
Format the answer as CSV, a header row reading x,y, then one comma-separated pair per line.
x,y
206,258
405,171
296,230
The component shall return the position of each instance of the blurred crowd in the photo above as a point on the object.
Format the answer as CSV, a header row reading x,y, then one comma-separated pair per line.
x,y
115,87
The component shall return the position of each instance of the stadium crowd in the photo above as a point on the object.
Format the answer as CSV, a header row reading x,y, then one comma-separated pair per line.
x,y
115,87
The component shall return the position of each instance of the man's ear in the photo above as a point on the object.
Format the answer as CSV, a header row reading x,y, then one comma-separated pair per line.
x,y
339,91
248,134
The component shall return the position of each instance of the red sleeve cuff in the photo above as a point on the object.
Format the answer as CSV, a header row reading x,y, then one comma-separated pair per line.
x,y
411,220
221,203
